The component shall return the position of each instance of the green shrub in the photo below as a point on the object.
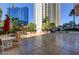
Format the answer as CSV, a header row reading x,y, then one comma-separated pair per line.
x,y
2,32
11,30
31,27
47,26
52,26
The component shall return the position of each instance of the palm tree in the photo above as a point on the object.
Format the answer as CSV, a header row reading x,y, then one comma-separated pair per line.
x,y
72,13
0,13
45,19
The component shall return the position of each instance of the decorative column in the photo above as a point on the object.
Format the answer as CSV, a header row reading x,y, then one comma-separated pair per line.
x,y
38,16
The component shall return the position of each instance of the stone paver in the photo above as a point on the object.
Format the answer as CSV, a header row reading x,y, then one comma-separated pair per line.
x,y
47,44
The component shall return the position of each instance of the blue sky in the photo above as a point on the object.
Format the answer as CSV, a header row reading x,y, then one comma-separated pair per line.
x,y
30,6
65,10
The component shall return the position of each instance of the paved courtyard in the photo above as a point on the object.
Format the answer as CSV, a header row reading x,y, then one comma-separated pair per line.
x,y
48,44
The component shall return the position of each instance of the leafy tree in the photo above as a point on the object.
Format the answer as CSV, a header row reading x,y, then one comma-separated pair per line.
x,y
45,19
47,25
0,13
72,13
16,21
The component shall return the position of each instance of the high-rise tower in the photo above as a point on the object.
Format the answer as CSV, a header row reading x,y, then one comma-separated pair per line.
x,y
52,12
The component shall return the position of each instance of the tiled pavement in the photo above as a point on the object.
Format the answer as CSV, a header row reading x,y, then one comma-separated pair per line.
x,y
49,44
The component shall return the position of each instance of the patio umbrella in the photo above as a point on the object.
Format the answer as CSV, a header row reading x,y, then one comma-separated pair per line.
x,y
6,24
76,8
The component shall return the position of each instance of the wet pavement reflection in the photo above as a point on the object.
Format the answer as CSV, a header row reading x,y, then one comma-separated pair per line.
x,y
48,44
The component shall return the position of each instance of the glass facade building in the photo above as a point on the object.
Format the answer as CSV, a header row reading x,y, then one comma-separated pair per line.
x,y
19,12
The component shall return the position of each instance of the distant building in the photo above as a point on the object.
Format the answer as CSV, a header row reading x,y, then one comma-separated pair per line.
x,y
19,12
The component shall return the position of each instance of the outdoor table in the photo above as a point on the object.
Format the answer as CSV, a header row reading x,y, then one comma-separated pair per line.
x,y
7,42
